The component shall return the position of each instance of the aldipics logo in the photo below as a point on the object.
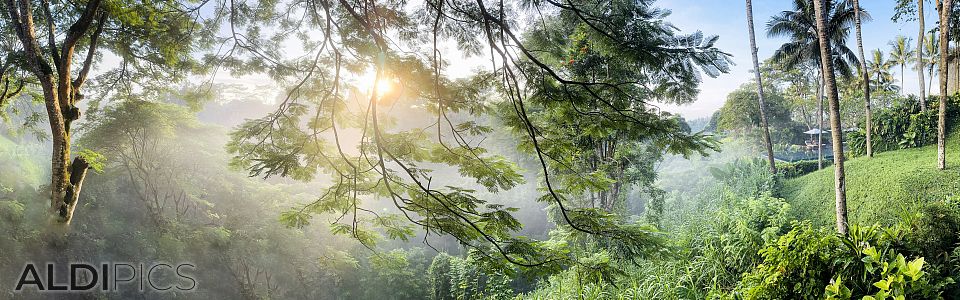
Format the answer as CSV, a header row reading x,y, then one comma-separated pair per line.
x,y
108,277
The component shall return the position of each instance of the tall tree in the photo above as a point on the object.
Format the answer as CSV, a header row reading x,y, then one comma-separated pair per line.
x,y
763,107
901,53
879,68
830,82
865,79
931,57
919,59
800,26
945,9
545,77
154,39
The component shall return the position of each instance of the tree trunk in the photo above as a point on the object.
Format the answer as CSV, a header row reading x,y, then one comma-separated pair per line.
x,y
866,77
763,106
923,97
831,90
820,120
60,94
945,8
903,83
956,66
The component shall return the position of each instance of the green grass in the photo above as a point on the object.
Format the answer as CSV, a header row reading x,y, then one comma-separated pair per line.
x,y
879,189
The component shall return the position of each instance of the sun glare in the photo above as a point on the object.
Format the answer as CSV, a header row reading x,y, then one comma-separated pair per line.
x,y
384,85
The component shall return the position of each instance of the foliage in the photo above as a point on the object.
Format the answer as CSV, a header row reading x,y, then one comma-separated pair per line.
x,y
747,178
809,263
879,70
804,46
713,244
741,113
393,276
462,278
578,104
902,126
798,168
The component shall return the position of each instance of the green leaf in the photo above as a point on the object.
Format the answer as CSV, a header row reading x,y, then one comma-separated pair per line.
x,y
914,269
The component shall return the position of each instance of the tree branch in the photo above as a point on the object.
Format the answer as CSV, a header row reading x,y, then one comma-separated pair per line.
x,y
91,51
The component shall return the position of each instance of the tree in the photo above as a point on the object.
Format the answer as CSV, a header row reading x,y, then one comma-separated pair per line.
x,y
740,111
143,140
756,70
945,9
901,53
799,86
866,80
154,40
833,98
428,170
619,155
804,46
931,50
11,77
879,68
920,56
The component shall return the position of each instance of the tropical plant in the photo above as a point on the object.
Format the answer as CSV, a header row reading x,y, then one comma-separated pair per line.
x,y
920,53
800,26
902,125
864,77
763,109
901,54
810,263
945,9
931,57
879,68
836,130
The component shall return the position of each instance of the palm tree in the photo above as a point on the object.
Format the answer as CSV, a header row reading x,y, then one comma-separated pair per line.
x,y
901,53
879,68
800,26
866,79
919,59
931,57
763,107
830,82
945,8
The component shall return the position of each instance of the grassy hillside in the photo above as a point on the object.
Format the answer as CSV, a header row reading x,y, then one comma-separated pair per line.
x,y
879,189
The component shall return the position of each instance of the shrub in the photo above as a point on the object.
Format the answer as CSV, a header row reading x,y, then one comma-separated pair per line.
x,y
799,168
816,263
747,178
902,126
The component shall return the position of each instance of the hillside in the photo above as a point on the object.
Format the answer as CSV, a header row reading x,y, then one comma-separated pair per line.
x,y
879,189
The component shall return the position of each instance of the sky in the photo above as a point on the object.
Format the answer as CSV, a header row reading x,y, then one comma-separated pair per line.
x,y
727,19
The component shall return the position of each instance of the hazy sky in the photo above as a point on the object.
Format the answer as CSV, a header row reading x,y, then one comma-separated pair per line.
x,y
727,18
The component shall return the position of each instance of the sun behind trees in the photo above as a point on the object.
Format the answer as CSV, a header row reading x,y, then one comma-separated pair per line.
x,y
479,149
573,90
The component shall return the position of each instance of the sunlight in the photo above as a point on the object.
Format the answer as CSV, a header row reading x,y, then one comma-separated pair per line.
x,y
438,150
384,85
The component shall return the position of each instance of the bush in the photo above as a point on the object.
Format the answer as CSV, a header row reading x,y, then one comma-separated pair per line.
x,y
799,168
748,178
902,126
816,263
